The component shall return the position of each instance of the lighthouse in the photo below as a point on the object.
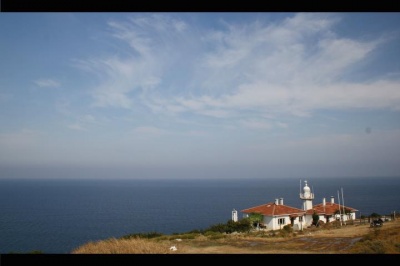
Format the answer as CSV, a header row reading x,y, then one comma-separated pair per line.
x,y
234,215
307,197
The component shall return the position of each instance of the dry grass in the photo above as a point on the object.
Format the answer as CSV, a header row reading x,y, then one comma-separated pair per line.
x,y
349,239
124,246
379,242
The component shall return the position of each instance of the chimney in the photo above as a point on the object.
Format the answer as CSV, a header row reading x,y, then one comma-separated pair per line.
x,y
332,199
276,202
323,202
281,201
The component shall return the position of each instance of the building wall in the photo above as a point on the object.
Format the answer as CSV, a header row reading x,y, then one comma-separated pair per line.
x,y
346,217
268,222
278,226
297,225
271,223
308,220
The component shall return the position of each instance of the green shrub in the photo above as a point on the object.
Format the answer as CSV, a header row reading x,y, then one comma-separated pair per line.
x,y
211,233
221,228
315,218
187,236
288,228
195,231
143,235
375,215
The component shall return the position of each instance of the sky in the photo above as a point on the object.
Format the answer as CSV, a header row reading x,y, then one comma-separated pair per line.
x,y
199,95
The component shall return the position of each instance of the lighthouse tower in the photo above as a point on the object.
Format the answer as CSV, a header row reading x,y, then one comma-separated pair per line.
x,y
234,215
307,197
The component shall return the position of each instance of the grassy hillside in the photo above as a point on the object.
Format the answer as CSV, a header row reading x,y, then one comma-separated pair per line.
x,y
353,238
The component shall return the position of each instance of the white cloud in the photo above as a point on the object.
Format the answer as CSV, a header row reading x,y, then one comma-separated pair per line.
x,y
152,40
381,94
76,126
276,69
197,133
47,83
282,125
215,113
149,130
255,124
83,122
295,66
63,107
107,97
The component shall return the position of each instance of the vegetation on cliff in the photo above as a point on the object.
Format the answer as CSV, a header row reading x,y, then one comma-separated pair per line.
x,y
355,237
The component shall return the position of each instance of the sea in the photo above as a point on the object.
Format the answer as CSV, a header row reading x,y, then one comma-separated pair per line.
x,y
55,216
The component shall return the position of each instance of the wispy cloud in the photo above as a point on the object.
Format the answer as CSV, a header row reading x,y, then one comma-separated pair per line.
x,y
149,130
47,83
277,69
295,66
255,124
152,42
76,126
83,122
176,89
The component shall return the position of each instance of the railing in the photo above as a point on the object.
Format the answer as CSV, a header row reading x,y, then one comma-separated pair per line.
x,y
310,196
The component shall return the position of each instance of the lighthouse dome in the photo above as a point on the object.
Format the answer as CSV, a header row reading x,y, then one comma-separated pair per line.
x,y
306,188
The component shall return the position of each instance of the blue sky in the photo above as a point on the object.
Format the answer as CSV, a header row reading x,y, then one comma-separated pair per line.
x,y
197,95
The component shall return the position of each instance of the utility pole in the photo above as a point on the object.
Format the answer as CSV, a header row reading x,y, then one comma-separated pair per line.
x,y
344,213
340,212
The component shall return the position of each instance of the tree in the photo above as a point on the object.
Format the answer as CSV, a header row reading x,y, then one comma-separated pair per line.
x,y
256,218
315,218
375,215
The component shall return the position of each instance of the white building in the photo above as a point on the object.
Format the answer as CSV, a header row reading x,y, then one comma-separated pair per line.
x,y
276,215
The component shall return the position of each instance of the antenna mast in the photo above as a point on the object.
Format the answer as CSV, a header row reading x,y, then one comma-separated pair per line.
x,y
300,186
340,213
343,205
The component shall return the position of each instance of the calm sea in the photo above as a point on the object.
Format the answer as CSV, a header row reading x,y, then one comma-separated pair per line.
x,y
56,216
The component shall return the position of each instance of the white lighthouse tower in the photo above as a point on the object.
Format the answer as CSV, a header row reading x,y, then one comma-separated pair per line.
x,y
234,215
307,197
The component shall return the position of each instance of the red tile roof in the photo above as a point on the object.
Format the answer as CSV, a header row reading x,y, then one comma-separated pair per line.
x,y
272,209
328,209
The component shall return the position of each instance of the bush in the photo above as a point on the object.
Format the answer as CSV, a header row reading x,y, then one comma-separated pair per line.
x,y
288,228
220,228
315,219
375,215
244,225
213,235
195,231
142,235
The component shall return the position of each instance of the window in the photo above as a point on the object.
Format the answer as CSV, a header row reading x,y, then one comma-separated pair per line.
x,y
281,221
300,219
